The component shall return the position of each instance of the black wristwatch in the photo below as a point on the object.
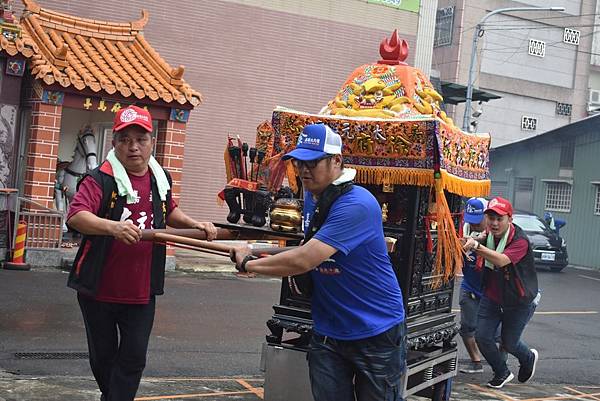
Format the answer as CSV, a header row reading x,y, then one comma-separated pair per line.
x,y
246,259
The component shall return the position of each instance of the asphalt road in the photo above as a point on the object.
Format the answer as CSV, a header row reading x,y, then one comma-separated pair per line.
x,y
205,325
212,326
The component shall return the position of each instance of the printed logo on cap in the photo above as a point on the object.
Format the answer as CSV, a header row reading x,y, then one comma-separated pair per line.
x,y
304,139
130,115
473,209
494,202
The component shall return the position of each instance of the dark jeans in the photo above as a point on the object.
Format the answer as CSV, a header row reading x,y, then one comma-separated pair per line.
x,y
118,336
469,305
371,368
513,320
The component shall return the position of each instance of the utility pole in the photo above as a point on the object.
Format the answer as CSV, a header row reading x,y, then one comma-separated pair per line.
x,y
478,32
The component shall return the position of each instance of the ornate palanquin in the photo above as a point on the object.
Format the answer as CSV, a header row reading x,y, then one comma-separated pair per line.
x,y
398,151
394,132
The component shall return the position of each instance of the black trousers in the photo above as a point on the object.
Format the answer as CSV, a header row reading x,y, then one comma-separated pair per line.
x,y
117,336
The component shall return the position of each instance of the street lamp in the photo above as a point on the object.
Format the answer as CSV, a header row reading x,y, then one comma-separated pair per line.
x,y
476,34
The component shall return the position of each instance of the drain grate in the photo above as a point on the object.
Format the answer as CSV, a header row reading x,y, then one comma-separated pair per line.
x,y
51,355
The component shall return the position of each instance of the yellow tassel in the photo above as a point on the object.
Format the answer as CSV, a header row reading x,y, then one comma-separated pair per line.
x,y
449,255
465,187
420,177
393,175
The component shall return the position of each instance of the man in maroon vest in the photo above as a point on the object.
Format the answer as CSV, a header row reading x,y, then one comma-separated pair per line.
x,y
509,291
116,275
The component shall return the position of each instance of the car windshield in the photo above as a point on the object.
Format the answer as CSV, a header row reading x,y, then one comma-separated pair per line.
x,y
530,223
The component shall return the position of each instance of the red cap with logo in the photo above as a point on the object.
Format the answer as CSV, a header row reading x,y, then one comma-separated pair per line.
x,y
133,115
500,206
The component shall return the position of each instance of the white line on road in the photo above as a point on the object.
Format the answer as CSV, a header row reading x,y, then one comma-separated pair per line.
x,y
566,312
591,278
583,312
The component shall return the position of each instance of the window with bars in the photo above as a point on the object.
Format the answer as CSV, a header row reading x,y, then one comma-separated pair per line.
x,y
536,48
528,123
597,202
444,23
564,109
571,36
558,196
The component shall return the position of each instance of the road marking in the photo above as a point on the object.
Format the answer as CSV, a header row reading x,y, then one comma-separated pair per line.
x,y
565,312
572,397
560,396
580,392
493,393
260,393
583,312
206,379
563,397
182,396
591,278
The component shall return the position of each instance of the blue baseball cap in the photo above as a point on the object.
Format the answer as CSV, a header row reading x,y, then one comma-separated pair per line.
x,y
315,142
474,210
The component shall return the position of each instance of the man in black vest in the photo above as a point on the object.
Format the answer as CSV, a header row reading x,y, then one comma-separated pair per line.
x,y
358,348
510,289
117,281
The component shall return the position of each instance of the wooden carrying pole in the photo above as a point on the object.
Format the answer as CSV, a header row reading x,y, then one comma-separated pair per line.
x,y
224,249
222,234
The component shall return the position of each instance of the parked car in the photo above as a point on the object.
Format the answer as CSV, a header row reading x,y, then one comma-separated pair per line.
x,y
549,249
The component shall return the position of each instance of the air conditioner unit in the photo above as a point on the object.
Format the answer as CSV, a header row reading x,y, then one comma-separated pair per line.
x,y
593,105
594,97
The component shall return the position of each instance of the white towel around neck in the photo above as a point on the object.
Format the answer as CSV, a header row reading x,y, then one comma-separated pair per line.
x,y
124,184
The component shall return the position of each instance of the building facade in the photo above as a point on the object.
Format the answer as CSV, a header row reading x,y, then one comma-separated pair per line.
x,y
247,57
63,78
538,62
557,172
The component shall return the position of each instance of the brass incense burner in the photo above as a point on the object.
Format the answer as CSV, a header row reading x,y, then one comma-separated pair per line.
x,y
286,215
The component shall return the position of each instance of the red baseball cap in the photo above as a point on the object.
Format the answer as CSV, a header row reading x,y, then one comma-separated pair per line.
x,y
499,206
131,115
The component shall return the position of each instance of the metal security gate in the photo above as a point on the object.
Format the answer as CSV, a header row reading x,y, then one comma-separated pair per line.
x,y
44,225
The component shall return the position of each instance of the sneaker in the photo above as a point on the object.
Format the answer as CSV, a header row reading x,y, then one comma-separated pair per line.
x,y
500,381
472,367
527,372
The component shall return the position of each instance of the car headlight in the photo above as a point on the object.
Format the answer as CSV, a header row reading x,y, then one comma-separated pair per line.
x,y
563,243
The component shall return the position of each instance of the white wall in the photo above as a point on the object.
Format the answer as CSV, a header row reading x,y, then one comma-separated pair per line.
x,y
502,117
571,6
505,52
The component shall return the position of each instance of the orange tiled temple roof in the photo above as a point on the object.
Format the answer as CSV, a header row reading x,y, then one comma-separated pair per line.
x,y
109,56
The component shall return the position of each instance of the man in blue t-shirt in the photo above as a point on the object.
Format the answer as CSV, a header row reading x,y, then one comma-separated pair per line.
x,y
470,288
358,347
